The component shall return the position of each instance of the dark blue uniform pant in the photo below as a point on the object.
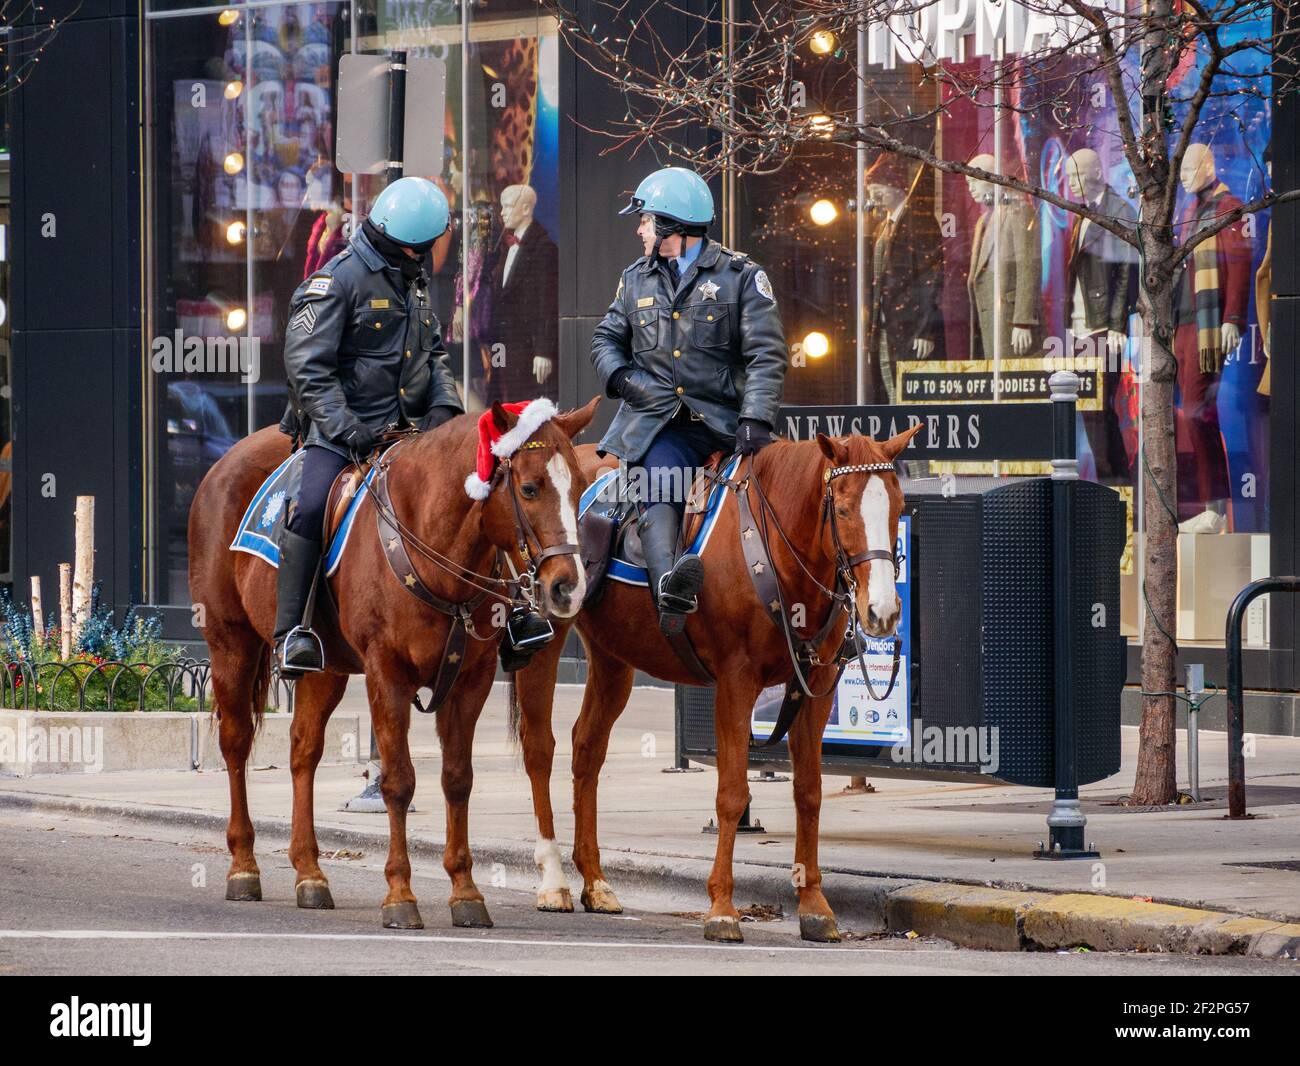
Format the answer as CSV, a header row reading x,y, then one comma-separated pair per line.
x,y
679,449
320,467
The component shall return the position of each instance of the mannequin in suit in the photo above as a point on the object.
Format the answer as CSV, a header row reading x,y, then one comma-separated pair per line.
x,y
524,302
1101,287
906,270
1005,261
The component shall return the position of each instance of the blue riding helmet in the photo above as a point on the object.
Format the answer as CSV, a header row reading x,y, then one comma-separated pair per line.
x,y
675,193
411,211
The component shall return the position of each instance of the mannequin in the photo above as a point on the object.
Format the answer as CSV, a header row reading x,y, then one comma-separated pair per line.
x,y
1008,224
525,299
1210,313
907,269
1101,286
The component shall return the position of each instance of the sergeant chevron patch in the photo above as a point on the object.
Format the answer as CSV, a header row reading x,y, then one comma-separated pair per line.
x,y
304,320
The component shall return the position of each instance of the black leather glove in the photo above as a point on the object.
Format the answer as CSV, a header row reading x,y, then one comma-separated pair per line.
x,y
361,440
436,417
751,435
618,381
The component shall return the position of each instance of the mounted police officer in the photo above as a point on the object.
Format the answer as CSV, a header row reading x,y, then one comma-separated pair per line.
x,y
693,346
363,353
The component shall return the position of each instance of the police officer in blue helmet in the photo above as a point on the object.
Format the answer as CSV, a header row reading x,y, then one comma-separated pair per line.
x,y
363,353
693,347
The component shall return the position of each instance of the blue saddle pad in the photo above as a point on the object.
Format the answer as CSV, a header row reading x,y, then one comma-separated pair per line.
x,y
259,532
603,492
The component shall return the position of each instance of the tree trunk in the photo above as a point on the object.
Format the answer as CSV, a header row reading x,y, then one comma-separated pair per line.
x,y
1156,780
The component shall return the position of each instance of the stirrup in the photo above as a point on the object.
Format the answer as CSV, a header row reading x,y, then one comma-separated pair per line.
x,y
674,604
287,669
518,626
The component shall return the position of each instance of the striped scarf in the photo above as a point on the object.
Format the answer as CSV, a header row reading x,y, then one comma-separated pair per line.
x,y
1205,291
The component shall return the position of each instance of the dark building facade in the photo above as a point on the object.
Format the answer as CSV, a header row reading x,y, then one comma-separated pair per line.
x,y
171,176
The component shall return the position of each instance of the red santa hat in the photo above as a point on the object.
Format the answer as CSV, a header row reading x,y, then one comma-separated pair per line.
x,y
493,444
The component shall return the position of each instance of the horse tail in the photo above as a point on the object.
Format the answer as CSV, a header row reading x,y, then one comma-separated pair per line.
x,y
261,687
514,712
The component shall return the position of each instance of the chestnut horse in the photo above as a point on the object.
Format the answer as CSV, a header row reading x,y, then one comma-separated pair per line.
x,y
817,494
397,640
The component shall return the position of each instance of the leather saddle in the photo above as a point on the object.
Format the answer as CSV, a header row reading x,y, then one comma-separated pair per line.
x,y
607,528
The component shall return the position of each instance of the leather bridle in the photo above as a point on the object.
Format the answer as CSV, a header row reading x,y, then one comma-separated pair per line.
x,y
395,539
755,536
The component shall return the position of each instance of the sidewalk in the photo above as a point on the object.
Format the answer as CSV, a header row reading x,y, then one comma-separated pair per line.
x,y
906,831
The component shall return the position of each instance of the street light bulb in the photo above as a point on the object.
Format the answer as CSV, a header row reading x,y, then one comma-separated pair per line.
x,y
235,233
228,17
236,319
823,212
233,163
823,42
816,344
233,89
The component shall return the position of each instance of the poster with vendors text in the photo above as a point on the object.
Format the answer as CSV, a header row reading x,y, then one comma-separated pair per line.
x,y
856,718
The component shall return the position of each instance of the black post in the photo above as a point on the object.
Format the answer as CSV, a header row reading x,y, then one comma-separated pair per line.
x,y
396,114
1236,717
1066,823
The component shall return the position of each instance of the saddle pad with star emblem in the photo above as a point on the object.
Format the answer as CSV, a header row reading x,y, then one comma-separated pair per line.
x,y
260,529
627,564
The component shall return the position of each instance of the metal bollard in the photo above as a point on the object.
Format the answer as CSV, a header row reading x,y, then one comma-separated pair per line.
x,y
1195,692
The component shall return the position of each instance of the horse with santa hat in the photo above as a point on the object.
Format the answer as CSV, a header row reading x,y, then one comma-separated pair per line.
x,y
436,564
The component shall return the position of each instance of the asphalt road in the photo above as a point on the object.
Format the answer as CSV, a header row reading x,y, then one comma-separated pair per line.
x,y
84,897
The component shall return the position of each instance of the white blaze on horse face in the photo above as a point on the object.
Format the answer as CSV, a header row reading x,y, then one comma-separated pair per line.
x,y
882,594
562,479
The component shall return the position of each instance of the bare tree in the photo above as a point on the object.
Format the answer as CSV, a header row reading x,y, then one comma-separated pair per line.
x,y
1162,66
25,31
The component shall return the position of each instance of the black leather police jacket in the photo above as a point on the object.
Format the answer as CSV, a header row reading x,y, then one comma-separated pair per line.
x,y
362,348
715,344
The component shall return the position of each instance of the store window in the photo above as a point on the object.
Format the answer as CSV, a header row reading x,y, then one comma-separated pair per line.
x,y
244,201
902,284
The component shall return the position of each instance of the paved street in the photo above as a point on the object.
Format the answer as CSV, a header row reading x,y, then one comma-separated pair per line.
x,y
81,897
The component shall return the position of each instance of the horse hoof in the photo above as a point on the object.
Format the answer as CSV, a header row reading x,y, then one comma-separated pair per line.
x,y
819,928
403,915
244,888
600,899
470,914
315,895
724,930
559,900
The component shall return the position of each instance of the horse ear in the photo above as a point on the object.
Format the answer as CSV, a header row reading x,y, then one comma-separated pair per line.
x,y
501,418
832,448
894,445
574,422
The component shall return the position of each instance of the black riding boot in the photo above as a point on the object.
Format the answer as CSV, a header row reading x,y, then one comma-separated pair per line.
x,y
297,649
675,583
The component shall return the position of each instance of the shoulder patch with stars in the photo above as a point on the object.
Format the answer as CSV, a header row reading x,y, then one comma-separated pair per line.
x,y
305,320
319,286
763,285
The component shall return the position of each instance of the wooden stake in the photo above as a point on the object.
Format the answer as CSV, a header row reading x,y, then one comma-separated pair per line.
x,y
83,579
65,611
38,609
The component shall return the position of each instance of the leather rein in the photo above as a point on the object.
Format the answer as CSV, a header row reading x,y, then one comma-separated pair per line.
x,y
754,541
395,538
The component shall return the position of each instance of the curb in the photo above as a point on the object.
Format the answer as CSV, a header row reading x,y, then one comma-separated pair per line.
x,y
972,916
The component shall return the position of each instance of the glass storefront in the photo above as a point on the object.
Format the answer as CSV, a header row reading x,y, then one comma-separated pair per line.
x,y
896,283
966,292
244,201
